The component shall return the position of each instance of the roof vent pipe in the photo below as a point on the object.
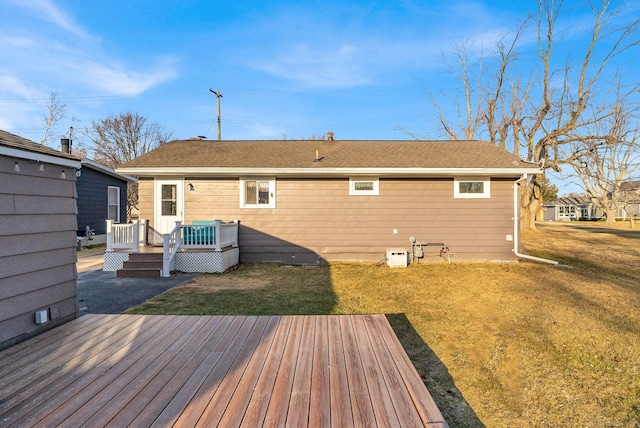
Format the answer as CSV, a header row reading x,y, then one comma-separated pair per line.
x,y
65,144
330,135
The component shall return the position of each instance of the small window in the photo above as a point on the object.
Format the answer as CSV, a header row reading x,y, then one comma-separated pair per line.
x,y
257,193
169,199
472,188
363,186
113,204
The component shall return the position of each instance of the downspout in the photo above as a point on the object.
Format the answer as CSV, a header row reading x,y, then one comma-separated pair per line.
x,y
516,230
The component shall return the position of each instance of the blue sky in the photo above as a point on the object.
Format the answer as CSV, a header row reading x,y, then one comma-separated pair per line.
x,y
362,69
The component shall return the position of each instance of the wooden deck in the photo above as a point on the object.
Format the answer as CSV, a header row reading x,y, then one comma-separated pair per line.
x,y
184,371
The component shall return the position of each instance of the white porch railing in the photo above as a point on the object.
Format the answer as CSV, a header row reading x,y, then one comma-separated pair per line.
x,y
126,236
214,235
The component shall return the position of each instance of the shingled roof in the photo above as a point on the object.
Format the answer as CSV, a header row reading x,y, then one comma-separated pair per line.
x,y
15,141
19,147
325,155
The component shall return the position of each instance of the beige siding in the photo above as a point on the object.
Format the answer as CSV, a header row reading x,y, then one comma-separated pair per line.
x,y
145,198
317,219
37,256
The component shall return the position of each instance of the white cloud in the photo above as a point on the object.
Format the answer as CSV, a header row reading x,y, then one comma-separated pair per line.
x,y
48,11
14,86
121,80
337,67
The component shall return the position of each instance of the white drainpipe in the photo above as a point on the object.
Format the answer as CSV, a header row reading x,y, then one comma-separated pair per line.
x,y
516,231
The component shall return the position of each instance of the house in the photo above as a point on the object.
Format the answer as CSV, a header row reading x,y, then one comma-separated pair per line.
x,y
309,201
571,208
631,190
38,236
102,195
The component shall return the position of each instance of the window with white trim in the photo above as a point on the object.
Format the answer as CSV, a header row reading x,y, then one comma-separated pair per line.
x,y
364,186
257,193
471,188
113,204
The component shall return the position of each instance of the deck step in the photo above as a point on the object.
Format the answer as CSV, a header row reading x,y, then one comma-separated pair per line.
x,y
141,265
145,257
136,264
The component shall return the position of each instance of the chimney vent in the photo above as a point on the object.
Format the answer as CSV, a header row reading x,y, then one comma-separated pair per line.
x,y
330,135
65,144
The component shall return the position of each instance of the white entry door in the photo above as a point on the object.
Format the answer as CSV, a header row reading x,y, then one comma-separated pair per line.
x,y
169,198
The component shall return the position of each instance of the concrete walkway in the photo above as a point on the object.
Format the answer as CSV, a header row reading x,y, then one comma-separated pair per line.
x,y
101,292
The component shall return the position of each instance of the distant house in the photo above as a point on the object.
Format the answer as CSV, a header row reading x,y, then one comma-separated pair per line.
x,y
102,195
308,201
571,208
37,236
632,191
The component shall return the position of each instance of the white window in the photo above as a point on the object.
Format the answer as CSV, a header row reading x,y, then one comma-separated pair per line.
x,y
113,204
364,186
257,193
472,188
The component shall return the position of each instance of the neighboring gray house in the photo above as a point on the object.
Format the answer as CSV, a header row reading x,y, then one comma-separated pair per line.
x,y
38,238
571,208
102,195
314,200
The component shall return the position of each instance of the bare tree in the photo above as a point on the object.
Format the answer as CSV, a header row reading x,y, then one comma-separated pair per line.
x,y
542,117
119,139
56,110
604,165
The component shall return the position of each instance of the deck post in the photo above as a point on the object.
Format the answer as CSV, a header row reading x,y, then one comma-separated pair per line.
x,y
218,235
143,232
165,255
136,237
109,235
237,222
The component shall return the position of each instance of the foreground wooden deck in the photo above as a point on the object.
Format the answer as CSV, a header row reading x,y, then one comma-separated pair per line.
x,y
134,370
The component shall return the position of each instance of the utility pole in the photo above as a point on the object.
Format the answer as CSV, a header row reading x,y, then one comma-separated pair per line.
x,y
218,95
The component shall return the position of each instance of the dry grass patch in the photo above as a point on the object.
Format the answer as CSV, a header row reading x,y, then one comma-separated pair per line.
x,y
497,344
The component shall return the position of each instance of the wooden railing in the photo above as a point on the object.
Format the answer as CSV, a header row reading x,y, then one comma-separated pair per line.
x,y
126,236
214,235
170,247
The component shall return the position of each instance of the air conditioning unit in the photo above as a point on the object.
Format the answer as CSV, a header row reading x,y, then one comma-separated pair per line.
x,y
397,257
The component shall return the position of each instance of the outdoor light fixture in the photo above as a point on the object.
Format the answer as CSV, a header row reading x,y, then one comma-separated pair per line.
x,y
190,187
41,167
63,175
16,167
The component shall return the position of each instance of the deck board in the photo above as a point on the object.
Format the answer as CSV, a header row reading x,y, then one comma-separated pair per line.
x,y
134,370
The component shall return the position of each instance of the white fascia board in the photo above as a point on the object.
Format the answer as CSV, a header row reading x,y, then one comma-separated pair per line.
x,y
39,157
106,170
336,172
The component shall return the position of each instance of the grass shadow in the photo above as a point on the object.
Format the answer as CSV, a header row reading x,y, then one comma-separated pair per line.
x,y
454,407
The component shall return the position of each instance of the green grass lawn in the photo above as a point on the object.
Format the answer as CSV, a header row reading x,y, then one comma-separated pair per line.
x,y
497,344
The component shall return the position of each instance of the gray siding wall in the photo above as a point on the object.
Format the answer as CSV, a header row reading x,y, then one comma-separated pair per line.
x,y
93,199
37,254
317,219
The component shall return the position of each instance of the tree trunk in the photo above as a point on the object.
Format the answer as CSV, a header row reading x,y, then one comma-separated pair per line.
x,y
610,214
533,209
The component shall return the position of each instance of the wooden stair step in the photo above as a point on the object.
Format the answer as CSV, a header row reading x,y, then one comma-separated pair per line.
x,y
145,257
136,264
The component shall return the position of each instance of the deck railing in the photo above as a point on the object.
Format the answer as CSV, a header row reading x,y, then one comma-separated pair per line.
x,y
212,235
126,236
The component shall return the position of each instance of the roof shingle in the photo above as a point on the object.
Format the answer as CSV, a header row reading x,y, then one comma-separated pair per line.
x,y
15,141
332,154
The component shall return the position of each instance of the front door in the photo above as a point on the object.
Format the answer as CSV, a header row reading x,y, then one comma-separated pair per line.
x,y
169,204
